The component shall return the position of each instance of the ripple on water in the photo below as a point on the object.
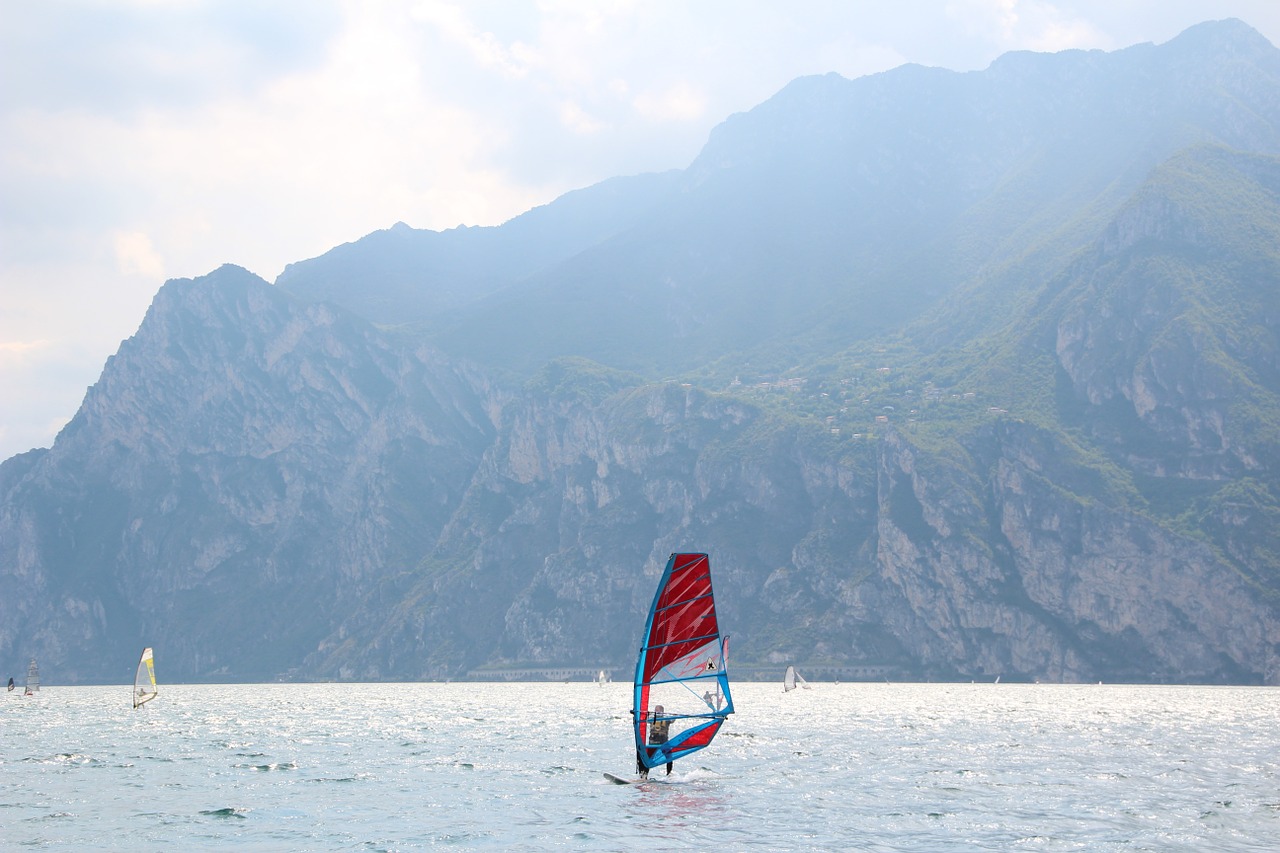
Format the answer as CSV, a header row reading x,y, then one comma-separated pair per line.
x,y
226,811
266,768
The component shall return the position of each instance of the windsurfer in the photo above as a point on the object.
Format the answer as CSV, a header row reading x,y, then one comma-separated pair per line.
x,y
659,727
10,684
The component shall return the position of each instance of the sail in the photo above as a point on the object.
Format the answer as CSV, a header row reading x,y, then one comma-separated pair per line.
x,y
681,681
144,679
33,678
792,679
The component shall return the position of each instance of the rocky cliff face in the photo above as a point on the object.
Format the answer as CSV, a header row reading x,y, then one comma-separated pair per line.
x,y
242,469
983,563
263,488
1174,322
561,537
1014,561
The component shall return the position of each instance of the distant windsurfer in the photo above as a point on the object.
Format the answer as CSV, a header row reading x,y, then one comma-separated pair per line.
x,y
10,688
659,726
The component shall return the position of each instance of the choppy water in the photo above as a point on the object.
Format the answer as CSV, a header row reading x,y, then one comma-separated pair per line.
x,y
877,767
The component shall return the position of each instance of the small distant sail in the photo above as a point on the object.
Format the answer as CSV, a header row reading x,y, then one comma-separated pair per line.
x,y
681,693
33,679
10,687
144,680
792,679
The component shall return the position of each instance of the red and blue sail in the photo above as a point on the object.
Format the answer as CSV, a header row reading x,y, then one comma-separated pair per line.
x,y
682,677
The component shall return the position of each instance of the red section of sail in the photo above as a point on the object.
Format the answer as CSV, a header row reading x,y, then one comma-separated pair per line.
x,y
699,738
684,616
642,721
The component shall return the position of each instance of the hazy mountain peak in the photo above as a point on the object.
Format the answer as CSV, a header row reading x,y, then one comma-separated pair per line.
x,y
1230,37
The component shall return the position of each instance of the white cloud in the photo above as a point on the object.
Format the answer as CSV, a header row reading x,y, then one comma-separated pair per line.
x,y
136,255
1054,36
574,117
1029,24
16,349
679,102
451,21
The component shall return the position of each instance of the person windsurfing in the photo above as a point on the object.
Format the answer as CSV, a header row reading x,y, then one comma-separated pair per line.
x,y
10,687
659,726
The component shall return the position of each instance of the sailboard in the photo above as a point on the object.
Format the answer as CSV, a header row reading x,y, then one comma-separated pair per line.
x,y
681,696
33,679
144,680
10,687
618,780
792,679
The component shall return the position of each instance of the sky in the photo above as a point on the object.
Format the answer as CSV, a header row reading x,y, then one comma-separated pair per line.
x,y
143,140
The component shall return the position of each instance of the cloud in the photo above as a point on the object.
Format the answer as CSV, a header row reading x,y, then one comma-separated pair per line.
x,y
136,255
678,102
1059,35
107,55
1028,24
451,21
18,349
574,117
311,158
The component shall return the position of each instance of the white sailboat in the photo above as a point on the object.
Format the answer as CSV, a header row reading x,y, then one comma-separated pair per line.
x,y
144,680
792,679
33,679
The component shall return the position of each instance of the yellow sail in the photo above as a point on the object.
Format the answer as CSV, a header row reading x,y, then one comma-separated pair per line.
x,y
144,680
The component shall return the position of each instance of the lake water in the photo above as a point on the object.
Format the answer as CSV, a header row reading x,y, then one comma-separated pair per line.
x,y
879,767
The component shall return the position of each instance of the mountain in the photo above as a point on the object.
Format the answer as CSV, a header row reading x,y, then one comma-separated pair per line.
x,y
405,275
954,375
841,209
246,465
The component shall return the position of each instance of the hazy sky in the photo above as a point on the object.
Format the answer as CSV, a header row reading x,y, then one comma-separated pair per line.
x,y
142,140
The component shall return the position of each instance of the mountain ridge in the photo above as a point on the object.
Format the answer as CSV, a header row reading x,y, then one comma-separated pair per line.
x,y
954,375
